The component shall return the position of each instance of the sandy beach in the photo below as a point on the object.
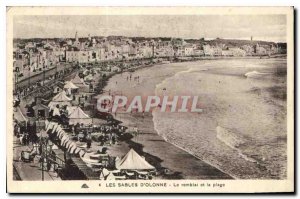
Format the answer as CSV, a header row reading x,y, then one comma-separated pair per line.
x,y
191,146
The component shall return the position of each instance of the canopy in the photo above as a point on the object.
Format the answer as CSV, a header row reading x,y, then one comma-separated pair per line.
x,y
77,81
133,161
64,138
78,116
110,177
78,113
70,109
104,174
70,85
52,105
55,112
61,97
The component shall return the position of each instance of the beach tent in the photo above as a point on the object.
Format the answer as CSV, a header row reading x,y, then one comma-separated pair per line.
x,y
105,174
69,87
133,161
78,116
70,109
60,99
55,112
77,81
110,176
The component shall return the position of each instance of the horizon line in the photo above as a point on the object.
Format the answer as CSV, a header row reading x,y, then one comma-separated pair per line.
x,y
205,39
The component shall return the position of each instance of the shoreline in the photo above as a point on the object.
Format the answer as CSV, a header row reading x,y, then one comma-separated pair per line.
x,y
171,160
147,147
234,177
180,163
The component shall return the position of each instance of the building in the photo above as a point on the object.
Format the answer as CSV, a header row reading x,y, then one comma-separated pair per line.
x,y
238,52
259,50
40,110
198,52
208,50
227,53
188,50
72,55
248,49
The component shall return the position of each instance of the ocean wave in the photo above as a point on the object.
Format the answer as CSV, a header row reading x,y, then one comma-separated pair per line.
x,y
186,149
158,87
255,74
232,140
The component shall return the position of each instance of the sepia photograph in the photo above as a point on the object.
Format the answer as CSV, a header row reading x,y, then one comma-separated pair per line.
x,y
138,99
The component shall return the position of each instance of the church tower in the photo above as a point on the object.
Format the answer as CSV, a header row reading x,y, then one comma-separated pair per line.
x,y
76,36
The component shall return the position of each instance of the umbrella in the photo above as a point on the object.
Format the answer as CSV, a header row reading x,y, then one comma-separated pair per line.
x,y
77,150
60,133
64,140
68,144
50,126
81,153
72,147
46,123
54,128
58,128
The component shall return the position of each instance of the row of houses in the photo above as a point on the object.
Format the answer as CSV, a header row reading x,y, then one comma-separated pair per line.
x,y
34,56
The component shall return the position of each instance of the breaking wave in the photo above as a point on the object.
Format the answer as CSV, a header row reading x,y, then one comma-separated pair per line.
x,y
255,74
232,140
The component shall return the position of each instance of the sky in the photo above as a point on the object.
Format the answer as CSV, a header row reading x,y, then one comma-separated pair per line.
x,y
260,27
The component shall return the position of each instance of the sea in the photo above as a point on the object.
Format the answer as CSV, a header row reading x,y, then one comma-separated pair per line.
x,y
242,129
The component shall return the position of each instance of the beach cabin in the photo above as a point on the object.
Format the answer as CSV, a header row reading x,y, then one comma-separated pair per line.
x,y
57,89
40,110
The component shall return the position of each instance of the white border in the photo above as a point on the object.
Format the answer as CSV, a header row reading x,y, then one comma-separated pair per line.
x,y
102,3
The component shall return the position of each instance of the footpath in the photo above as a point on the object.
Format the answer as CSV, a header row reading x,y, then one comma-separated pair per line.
x,y
29,171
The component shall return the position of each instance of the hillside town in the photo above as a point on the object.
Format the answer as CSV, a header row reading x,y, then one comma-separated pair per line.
x,y
57,128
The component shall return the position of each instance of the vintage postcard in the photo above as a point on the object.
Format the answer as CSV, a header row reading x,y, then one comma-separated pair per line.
x,y
150,99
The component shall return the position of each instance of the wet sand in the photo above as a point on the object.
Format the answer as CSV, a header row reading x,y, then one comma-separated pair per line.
x,y
162,154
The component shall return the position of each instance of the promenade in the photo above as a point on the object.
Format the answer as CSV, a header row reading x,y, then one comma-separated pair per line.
x,y
30,171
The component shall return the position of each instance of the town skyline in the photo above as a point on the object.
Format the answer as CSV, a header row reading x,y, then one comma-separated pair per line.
x,y
261,28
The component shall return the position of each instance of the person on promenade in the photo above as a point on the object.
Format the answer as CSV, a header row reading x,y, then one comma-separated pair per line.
x,y
88,140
